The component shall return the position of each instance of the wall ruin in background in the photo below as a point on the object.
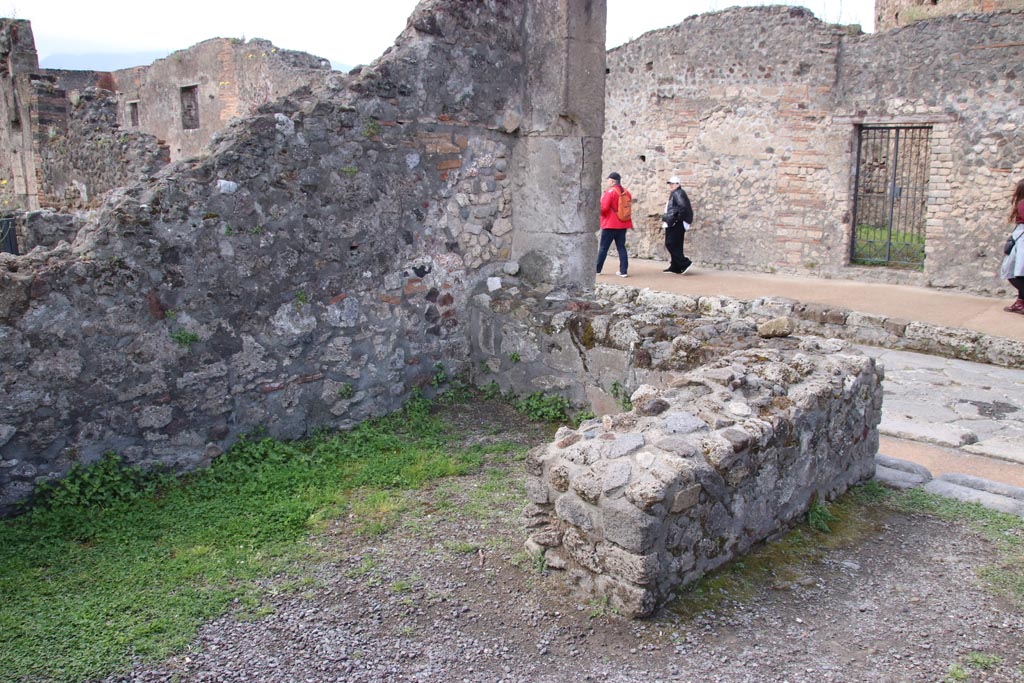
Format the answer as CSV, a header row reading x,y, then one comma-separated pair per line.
x,y
225,78
763,134
313,269
890,14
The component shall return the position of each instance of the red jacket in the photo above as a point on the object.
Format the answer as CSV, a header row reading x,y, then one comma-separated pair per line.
x,y
609,208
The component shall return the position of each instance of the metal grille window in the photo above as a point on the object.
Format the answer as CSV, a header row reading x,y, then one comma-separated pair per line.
x,y
891,196
8,236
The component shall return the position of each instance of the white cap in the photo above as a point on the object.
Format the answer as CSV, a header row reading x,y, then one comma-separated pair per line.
x,y
674,180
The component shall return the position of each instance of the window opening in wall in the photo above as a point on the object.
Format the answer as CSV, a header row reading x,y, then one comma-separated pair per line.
x,y
891,194
133,114
190,107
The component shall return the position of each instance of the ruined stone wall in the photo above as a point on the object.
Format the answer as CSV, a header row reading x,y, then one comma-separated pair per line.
x,y
17,171
745,122
81,151
731,431
763,135
311,271
223,78
890,14
961,76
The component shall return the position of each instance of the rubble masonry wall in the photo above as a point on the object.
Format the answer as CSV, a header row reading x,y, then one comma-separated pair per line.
x,y
763,134
732,432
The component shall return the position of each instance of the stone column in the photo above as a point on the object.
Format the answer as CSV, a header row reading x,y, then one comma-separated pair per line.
x,y
557,160
18,59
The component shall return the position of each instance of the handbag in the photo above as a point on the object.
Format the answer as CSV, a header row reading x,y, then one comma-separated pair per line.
x,y
1008,247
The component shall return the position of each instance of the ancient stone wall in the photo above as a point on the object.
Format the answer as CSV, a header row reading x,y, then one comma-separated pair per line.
x,y
890,14
17,171
763,134
311,271
959,75
81,151
189,96
716,432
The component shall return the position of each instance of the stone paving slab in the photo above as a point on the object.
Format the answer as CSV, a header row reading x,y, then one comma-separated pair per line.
x,y
973,407
1007,446
916,429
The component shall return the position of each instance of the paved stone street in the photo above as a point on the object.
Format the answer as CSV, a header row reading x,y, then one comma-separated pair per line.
x,y
953,427
976,408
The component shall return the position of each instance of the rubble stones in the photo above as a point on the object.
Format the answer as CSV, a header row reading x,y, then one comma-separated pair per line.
x,y
733,452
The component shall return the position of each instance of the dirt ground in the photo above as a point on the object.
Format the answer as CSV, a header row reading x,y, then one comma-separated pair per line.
x,y
448,595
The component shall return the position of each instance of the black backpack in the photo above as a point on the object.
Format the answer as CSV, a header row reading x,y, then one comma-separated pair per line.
x,y
1008,247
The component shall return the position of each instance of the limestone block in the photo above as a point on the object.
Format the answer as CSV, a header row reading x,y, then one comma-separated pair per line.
x,y
624,444
776,327
6,432
574,511
154,417
588,485
581,550
638,569
686,498
646,492
627,526
627,599
537,491
559,477
683,423
616,475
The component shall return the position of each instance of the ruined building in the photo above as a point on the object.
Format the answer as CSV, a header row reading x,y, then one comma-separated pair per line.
x,y
823,150
72,136
316,265
891,14
355,239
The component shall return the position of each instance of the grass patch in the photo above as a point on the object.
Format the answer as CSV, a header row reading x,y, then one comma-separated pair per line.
x,y
114,566
875,246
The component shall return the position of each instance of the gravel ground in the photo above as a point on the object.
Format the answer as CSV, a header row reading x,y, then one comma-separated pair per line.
x,y
448,596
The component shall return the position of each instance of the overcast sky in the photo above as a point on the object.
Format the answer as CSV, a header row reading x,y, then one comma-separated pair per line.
x,y
347,32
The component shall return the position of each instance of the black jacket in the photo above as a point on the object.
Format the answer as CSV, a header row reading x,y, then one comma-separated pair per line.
x,y
679,210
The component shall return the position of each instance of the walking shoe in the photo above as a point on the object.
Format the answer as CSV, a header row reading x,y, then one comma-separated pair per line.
x,y
1016,307
621,274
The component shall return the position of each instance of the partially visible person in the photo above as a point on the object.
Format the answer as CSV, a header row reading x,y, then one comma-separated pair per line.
x,y
1013,263
676,221
616,219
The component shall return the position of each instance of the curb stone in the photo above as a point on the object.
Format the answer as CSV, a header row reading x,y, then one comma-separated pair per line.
x,y
903,474
900,474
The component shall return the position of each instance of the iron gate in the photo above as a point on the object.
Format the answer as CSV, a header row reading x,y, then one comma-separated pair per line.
x,y
891,196
8,236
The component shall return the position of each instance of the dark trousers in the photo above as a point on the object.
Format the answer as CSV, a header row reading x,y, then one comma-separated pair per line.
x,y
1018,282
609,235
674,239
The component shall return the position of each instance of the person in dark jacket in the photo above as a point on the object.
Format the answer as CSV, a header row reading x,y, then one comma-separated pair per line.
x,y
676,221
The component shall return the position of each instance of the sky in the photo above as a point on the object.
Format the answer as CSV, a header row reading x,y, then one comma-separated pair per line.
x,y
347,32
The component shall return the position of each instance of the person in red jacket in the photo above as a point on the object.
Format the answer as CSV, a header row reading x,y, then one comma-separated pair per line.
x,y
612,228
